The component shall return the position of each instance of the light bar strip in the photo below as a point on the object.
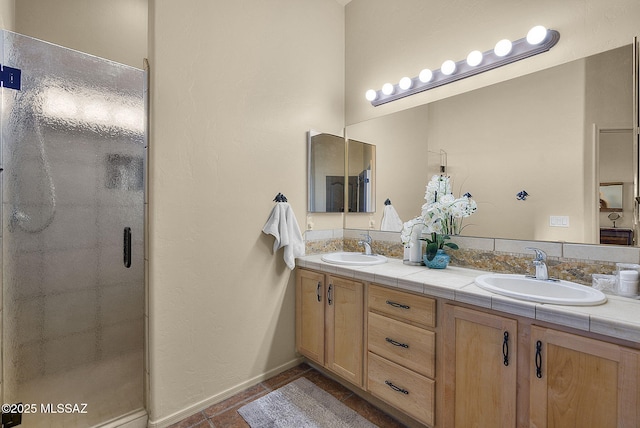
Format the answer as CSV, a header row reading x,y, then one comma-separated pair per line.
x,y
521,49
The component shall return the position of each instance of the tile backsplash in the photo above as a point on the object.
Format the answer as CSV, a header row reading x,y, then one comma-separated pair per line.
x,y
573,262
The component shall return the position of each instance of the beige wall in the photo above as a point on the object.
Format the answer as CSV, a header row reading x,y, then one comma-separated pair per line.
x,y
7,14
386,40
401,173
236,86
114,29
498,142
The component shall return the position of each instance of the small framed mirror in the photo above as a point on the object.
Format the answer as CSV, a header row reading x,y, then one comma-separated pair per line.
x,y
610,197
326,172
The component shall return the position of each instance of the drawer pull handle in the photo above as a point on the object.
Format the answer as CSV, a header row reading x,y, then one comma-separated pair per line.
x,y
396,388
539,359
318,294
330,294
397,305
394,343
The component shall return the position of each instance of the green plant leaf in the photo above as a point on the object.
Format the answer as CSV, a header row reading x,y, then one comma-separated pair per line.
x,y
432,249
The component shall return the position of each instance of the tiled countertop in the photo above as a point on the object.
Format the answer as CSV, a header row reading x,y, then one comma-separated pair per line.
x,y
619,317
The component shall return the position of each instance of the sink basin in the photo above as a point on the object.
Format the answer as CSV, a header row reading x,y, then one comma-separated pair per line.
x,y
535,290
354,259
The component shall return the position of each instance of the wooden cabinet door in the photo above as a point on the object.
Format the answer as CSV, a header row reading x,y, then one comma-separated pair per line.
x,y
310,301
582,382
480,369
345,328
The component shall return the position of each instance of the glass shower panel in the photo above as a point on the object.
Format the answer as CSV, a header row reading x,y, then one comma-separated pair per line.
x,y
73,153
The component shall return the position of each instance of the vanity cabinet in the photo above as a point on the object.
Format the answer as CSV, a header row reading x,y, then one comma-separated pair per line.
x,y
481,356
580,382
468,366
330,323
401,351
566,380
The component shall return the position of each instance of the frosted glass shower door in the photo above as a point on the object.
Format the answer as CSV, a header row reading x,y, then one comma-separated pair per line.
x,y
73,153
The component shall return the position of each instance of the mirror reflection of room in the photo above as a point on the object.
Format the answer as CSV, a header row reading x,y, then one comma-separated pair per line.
x,y
616,201
534,132
361,172
326,172
327,190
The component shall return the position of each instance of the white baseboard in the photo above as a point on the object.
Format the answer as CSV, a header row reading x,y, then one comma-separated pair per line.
x,y
201,405
135,419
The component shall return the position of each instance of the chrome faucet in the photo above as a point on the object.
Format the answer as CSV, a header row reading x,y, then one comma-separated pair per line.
x,y
367,243
540,263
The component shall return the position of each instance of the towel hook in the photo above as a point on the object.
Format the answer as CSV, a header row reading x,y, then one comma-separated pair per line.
x,y
387,202
280,198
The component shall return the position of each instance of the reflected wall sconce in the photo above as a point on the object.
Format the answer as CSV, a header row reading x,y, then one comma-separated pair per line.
x,y
538,40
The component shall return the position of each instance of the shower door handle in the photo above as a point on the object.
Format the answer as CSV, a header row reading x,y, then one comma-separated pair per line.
x,y
126,247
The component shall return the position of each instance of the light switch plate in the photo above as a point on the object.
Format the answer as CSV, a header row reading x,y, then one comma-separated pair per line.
x,y
559,221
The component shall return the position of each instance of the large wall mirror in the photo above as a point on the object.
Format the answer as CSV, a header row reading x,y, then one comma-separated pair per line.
x,y
538,133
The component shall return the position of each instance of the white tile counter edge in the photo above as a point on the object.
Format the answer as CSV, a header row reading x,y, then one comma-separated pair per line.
x,y
618,318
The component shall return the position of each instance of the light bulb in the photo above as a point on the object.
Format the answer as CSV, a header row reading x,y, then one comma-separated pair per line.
x,y
425,75
371,95
536,35
405,83
387,89
448,67
474,58
503,47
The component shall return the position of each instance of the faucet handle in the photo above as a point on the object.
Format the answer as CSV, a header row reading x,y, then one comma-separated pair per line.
x,y
367,238
540,255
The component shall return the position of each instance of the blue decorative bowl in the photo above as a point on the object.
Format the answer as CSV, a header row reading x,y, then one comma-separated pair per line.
x,y
439,261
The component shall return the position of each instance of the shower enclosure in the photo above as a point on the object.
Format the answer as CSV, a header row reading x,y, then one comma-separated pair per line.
x,y
73,158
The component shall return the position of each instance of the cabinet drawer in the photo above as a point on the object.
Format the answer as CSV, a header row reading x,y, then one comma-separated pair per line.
x,y
407,345
404,306
402,388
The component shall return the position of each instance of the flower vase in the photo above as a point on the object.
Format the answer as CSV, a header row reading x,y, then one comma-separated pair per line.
x,y
439,261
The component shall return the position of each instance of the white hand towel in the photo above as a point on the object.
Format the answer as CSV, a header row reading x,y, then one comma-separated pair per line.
x,y
391,220
283,226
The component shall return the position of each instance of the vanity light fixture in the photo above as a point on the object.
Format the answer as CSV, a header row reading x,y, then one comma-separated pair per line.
x,y
474,58
405,83
448,67
503,47
538,40
425,76
371,95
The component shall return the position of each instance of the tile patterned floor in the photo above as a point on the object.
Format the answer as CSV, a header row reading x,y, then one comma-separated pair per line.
x,y
225,415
